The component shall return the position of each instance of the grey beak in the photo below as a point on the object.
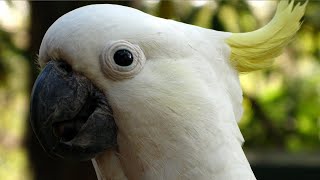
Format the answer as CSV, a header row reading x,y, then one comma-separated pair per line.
x,y
69,115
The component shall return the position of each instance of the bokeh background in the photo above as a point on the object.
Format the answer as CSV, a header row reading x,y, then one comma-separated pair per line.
x,y
281,122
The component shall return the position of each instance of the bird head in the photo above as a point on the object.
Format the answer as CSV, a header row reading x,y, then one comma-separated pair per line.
x,y
159,93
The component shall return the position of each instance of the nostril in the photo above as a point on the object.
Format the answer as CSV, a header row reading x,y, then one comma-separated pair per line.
x,y
65,67
66,130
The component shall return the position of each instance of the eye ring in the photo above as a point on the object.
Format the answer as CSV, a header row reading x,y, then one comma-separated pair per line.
x,y
117,71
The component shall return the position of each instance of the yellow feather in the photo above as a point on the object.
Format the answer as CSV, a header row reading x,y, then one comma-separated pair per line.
x,y
256,50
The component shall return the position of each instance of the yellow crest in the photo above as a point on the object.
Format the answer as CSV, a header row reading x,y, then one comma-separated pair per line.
x,y
256,50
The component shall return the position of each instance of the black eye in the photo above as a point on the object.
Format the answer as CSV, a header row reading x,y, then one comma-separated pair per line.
x,y
123,57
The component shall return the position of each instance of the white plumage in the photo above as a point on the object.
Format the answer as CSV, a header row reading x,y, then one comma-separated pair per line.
x,y
177,112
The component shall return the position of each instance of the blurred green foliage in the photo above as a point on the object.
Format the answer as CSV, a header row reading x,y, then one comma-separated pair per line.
x,y
13,108
281,105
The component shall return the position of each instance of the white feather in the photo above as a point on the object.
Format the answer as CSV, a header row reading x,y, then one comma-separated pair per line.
x,y
177,118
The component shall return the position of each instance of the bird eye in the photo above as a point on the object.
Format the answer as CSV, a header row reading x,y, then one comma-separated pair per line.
x,y
121,60
123,57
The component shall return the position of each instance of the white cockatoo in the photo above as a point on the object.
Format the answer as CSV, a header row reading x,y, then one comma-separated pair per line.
x,y
150,98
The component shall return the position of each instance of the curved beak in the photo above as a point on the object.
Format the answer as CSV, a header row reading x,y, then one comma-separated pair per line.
x,y
69,115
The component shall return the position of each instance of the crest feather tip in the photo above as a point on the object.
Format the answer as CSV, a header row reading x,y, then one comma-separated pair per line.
x,y
257,49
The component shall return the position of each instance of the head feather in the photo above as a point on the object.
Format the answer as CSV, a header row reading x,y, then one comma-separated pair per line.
x,y
256,50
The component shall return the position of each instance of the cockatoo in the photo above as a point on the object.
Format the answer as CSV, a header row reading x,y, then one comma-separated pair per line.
x,y
150,98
